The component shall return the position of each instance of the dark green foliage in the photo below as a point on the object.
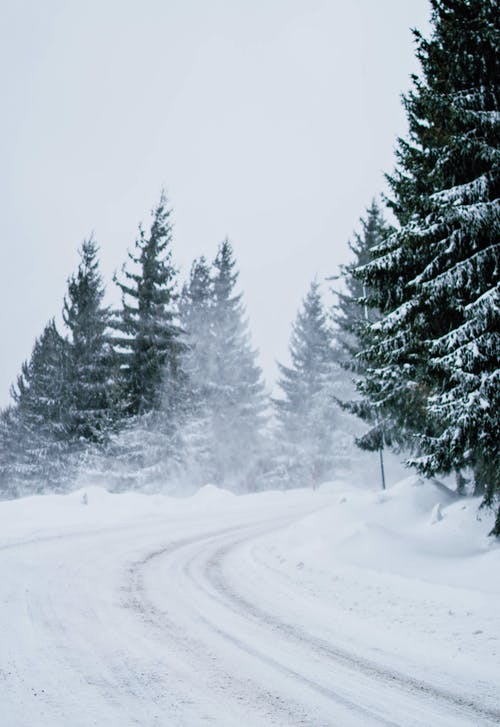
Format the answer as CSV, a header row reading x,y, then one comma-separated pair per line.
x,y
148,347
149,341
64,400
35,440
433,359
8,452
90,396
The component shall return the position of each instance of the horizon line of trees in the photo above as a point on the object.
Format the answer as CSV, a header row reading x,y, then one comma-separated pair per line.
x,y
168,388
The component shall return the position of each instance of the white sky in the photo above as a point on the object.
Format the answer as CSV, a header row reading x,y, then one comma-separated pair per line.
x,y
270,121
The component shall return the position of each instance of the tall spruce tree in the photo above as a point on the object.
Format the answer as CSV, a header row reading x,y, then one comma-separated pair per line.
x,y
433,359
225,399
149,344
237,400
308,433
352,317
90,395
196,309
196,314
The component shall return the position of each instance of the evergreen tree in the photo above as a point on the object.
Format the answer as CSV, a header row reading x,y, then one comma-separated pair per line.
x,y
90,387
433,358
35,441
236,391
149,341
196,309
224,393
352,317
8,452
308,416
196,298
207,423
351,312
196,318
143,455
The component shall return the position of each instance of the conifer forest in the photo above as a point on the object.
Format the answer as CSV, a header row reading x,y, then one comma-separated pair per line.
x,y
165,391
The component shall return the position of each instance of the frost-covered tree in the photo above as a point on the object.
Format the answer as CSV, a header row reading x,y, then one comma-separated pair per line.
x,y
148,345
35,444
433,360
90,395
351,313
143,455
149,334
8,453
308,433
224,399
196,308
237,400
65,399
207,423
352,316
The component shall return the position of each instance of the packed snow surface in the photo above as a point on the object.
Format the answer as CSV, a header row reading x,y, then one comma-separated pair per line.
x,y
344,606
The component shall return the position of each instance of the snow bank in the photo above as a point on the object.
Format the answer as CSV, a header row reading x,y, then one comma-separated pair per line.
x,y
398,531
418,590
94,507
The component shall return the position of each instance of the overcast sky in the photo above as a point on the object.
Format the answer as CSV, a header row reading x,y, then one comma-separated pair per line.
x,y
270,121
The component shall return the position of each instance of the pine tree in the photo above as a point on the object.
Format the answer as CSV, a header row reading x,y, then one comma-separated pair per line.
x,y
352,317
236,400
308,416
149,340
35,441
90,388
145,454
207,423
196,308
225,399
351,312
8,453
433,360
196,317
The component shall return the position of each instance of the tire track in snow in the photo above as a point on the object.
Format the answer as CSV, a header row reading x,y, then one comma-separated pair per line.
x,y
296,715
266,706
220,590
214,572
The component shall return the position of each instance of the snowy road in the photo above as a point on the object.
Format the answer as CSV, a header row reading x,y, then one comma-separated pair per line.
x,y
184,619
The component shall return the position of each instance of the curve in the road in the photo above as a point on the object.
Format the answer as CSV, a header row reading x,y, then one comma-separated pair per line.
x,y
200,563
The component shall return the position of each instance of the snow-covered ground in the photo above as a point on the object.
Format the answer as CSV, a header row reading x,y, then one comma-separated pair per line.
x,y
343,606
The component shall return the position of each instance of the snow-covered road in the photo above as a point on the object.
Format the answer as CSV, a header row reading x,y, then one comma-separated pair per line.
x,y
183,617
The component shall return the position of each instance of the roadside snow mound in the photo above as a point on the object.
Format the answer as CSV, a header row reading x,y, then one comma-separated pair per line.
x,y
213,495
381,573
92,507
398,531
